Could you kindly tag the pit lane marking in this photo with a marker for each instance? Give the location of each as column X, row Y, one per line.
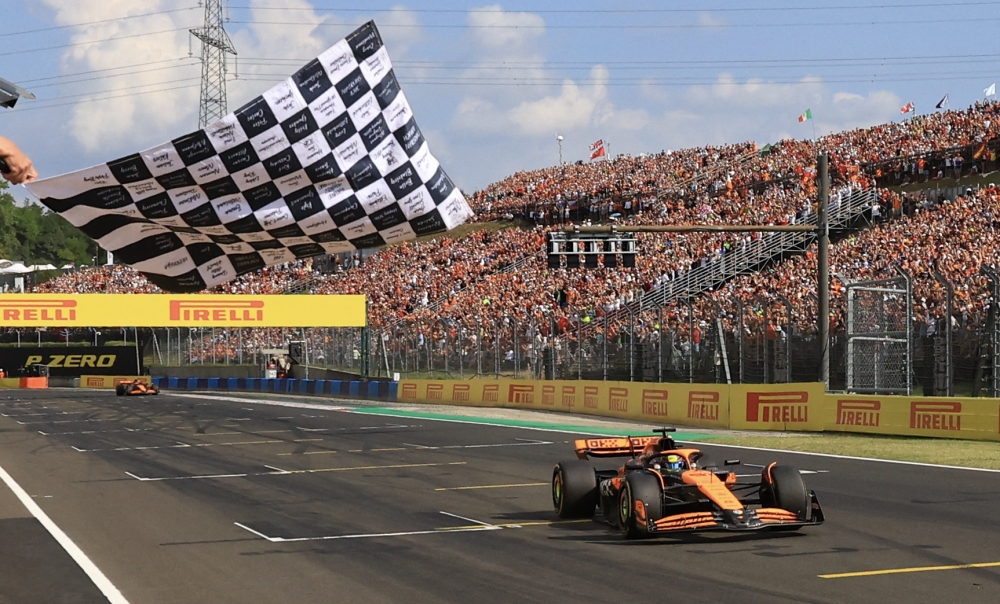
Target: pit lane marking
column 495, row 486
column 289, row 472
column 912, row 569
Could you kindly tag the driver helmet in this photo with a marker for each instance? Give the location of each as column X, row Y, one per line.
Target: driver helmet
column 673, row 463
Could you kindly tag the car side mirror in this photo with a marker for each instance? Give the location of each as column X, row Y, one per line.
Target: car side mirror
column 731, row 462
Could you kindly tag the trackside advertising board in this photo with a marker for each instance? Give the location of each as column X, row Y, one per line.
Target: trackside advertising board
column 703, row 405
column 71, row 361
column 972, row 418
column 169, row 310
column 785, row 407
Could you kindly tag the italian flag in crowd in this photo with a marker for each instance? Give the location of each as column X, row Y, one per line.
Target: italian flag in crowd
column 808, row 115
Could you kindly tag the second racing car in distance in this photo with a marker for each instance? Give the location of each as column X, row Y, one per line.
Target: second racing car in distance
column 136, row 388
column 663, row 488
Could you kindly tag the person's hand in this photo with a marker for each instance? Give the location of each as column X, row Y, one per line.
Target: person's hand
column 18, row 168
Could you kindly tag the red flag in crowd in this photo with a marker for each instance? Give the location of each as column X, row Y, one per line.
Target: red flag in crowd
column 597, row 145
column 907, row 108
column 599, row 152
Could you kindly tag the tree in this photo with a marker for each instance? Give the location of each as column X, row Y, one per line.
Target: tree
column 35, row 235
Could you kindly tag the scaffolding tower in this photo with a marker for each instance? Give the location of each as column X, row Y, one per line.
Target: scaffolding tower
column 215, row 44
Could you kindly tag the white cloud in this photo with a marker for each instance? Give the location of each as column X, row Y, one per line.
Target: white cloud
column 496, row 28
column 131, row 118
column 731, row 110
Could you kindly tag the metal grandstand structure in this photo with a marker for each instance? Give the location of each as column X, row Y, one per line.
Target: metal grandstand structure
column 758, row 254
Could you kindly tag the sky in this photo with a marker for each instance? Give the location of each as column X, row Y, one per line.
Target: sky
column 493, row 85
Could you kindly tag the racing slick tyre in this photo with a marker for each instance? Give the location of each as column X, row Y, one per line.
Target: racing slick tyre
column 120, row 390
column 785, row 490
column 645, row 488
column 574, row 489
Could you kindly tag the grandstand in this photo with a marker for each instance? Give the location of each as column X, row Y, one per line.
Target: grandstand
column 485, row 301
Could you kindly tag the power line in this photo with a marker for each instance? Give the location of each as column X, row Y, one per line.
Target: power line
column 79, row 73
column 612, row 82
column 627, row 11
column 150, row 33
column 35, row 107
column 137, row 86
column 915, row 59
column 609, row 26
column 86, row 23
column 108, row 77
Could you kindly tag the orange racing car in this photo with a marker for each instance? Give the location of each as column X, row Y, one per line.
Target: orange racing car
column 136, row 388
column 667, row 489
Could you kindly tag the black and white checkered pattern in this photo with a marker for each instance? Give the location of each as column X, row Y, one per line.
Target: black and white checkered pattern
column 330, row 160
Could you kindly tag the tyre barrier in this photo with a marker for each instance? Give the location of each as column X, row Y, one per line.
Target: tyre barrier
column 382, row 390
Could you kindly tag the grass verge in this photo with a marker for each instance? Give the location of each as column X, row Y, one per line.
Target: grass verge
column 967, row 453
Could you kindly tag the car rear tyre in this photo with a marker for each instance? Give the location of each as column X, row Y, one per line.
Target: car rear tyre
column 785, row 490
column 639, row 486
column 120, row 390
column 574, row 489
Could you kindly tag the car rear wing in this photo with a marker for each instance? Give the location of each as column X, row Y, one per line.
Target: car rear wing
column 613, row 447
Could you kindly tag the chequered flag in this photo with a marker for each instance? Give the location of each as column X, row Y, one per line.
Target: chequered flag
column 330, row 160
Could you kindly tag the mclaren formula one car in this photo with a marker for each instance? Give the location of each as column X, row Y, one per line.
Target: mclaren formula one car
column 136, row 388
column 663, row 488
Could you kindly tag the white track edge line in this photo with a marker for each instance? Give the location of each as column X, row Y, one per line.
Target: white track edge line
column 86, row 564
column 849, row 457
column 561, row 431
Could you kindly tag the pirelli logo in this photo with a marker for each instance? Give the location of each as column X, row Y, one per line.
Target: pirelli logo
column 569, row 396
column 460, row 393
column 654, row 402
column 703, row 405
column 618, row 399
column 408, row 392
column 522, row 394
column 548, row 395
column 435, row 392
column 590, row 395
column 852, row 412
column 936, row 416
column 249, row 311
column 491, row 393
column 778, row 407
column 40, row 310
column 98, row 382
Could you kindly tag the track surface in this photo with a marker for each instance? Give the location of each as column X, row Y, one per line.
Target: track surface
column 342, row 506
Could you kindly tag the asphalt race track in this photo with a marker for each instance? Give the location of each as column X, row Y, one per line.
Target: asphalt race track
column 187, row 500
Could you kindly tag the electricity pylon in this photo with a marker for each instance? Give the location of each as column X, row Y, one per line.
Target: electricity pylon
column 215, row 43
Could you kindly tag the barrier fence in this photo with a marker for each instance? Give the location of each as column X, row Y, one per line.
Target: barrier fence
column 880, row 344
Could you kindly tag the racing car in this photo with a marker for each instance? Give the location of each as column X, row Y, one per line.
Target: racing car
column 136, row 388
column 663, row 488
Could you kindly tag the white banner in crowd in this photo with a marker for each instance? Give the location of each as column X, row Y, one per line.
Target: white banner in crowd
column 330, row 160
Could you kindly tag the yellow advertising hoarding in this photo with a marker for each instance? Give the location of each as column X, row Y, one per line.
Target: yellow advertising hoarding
column 168, row 310
column 777, row 406
column 785, row 407
column 971, row 418
column 703, row 405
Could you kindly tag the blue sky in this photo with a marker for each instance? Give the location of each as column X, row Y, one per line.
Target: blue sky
column 493, row 84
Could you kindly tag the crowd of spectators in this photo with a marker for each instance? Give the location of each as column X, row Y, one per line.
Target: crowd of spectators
column 494, row 279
